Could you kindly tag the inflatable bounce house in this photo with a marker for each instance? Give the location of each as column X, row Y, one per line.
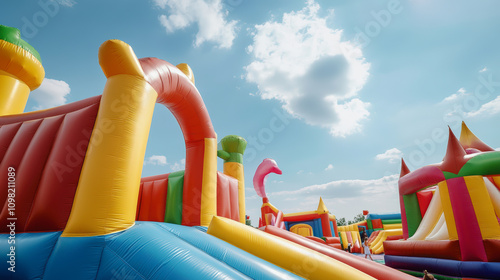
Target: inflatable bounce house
column 450, row 214
column 320, row 225
column 75, row 206
column 379, row 228
column 316, row 230
column 382, row 227
column 317, row 225
column 351, row 234
column 380, row 222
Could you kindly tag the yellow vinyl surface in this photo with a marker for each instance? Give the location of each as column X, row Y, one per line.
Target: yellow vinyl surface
column 235, row 170
column 283, row 253
column 209, row 183
column 448, row 211
column 13, row 95
column 481, row 201
column 107, row 193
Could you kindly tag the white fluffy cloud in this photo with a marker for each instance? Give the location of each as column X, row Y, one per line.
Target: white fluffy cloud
column 209, row 15
column 344, row 198
column 392, row 155
column 162, row 161
column 468, row 105
column 303, row 63
column 345, row 188
column 329, row 167
column 461, row 93
column 178, row 165
column 488, row 109
column 156, row 160
column 51, row 93
column 67, row 3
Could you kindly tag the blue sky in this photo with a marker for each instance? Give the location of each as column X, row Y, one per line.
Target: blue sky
column 335, row 91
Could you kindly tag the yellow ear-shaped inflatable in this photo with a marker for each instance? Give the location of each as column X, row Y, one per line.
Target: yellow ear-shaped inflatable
column 187, row 71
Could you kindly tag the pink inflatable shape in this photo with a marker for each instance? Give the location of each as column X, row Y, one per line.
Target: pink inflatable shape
column 267, row 166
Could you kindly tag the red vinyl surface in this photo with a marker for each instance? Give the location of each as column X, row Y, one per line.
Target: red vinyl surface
column 441, row 249
column 181, row 97
column 47, row 149
column 227, row 197
column 152, row 198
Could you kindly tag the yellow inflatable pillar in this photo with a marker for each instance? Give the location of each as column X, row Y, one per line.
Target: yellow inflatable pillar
column 21, row 71
column 233, row 148
column 108, row 189
column 448, row 210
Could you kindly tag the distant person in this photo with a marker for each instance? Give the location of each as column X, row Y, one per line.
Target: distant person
column 428, row 276
column 349, row 247
column 364, row 235
column 367, row 249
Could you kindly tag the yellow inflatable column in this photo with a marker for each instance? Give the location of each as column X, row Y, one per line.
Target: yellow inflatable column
column 21, row 71
column 209, row 180
column 483, row 207
column 107, row 193
column 448, row 210
column 233, row 148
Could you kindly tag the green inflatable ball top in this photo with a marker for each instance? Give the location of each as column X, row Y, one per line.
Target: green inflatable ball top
column 231, row 148
column 234, row 144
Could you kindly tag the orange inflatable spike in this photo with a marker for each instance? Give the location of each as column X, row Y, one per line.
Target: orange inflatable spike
column 454, row 158
column 469, row 140
column 404, row 168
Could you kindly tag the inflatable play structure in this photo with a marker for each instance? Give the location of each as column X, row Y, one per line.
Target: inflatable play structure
column 162, row 198
column 382, row 227
column 378, row 227
column 318, row 223
column 381, row 222
column 450, row 213
column 351, row 234
column 316, row 230
column 75, row 206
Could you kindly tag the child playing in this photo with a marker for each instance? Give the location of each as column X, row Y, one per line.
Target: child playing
column 366, row 249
